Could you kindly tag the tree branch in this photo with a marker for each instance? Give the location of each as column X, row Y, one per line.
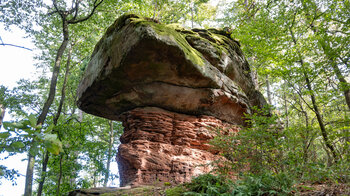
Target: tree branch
column 3, row 44
column 74, row 21
column 60, row 12
column 76, row 9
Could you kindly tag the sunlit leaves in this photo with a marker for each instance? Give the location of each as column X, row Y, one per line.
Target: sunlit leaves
column 4, row 135
column 53, row 144
column 25, row 131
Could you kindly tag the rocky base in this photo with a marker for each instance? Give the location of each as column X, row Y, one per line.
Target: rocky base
column 121, row 191
column 162, row 146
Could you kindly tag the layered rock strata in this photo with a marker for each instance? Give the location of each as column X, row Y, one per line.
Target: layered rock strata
column 167, row 85
column 158, row 145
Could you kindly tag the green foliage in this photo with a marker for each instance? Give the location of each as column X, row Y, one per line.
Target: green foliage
column 26, row 131
column 8, row 174
column 52, row 144
column 255, row 147
column 208, row 184
column 319, row 172
column 167, row 184
column 264, row 184
column 175, row 191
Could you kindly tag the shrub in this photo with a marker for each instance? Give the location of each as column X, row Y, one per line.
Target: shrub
column 264, row 184
column 208, row 184
column 175, row 191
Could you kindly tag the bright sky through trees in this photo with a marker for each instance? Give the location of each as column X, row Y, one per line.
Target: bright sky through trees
column 16, row 63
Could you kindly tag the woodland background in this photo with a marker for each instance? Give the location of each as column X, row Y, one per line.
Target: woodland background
column 299, row 52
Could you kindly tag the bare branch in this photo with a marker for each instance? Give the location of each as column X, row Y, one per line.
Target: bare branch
column 3, row 44
column 51, row 13
column 60, row 12
column 77, row 2
column 74, row 21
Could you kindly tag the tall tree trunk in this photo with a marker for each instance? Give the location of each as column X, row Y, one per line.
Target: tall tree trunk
column 43, row 173
column 155, row 9
column 306, row 143
column 56, row 69
column 314, row 103
column 2, row 114
column 344, row 85
column 192, row 10
column 48, row 103
column 95, row 180
column 29, row 175
column 80, row 115
column 55, row 120
column 268, row 90
column 59, row 177
column 286, row 110
column 109, row 156
column 329, row 52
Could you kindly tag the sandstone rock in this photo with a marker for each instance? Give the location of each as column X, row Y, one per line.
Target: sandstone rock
column 169, row 86
column 158, row 145
column 141, row 63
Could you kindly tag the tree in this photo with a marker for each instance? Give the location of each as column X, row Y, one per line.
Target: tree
column 68, row 16
column 280, row 40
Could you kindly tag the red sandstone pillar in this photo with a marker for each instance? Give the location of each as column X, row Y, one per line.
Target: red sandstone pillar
column 162, row 146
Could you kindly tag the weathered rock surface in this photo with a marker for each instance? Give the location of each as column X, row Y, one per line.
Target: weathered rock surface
column 157, row 190
column 158, row 145
column 167, row 84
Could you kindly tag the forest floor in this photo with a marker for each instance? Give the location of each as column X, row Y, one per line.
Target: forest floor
column 301, row 189
column 323, row 189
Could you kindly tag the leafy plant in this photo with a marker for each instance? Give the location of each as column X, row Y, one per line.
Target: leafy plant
column 264, row 184
column 175, row 191
column 24, row 131
column 208, row 184
column 254, row 148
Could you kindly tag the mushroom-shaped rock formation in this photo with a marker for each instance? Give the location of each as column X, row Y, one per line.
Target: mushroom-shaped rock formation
column 167, row 85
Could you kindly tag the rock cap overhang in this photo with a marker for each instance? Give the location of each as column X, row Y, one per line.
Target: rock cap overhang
column 142, row 63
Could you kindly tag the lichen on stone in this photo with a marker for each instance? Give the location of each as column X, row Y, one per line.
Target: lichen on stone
column 173, row 32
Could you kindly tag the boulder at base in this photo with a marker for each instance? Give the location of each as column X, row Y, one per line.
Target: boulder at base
column 170, row 87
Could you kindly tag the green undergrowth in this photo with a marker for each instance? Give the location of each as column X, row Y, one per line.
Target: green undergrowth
column 212, row 185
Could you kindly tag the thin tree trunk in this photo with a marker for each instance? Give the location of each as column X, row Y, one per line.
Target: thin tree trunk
column 55, row 120
column 29, row 173
column 343, row 83
column 268, row 90
column 286, row 110
column 55, row 73
column 192, row 14
column 48, row 103
column 341, row 78
column 109, row 156
column 2, row 114
column 59, row 177
column 80, row 115
column 306, row 144
column 327, row 50
column 314, row 103
column 43, row 173
column 155, row 9
column 94, row 181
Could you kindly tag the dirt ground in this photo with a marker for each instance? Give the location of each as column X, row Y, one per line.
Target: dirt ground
column 322, row 190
